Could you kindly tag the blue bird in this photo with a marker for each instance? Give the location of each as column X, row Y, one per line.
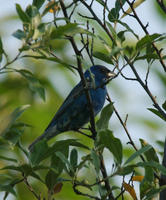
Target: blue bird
column 74, row 113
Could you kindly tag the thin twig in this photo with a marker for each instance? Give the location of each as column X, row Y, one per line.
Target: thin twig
column 147, row 33
column 31, row 189
column 78, row 57
column 83, row 194
column 10, row 62
column 105, row 176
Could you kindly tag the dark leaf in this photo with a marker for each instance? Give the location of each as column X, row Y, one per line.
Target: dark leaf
column 39, row 151
column 164, row 105
column 7, row 188
column 38, row 3
column 1, row 49
column 113, row 15
column 74, row 158
column 22, row 15
column 51, row 179
column 156, row 112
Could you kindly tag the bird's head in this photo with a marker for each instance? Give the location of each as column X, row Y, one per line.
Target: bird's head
column 100, row 73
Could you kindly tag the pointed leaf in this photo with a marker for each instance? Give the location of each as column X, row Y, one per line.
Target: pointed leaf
column 23, row 16
column 105, row 116
column 138, row 153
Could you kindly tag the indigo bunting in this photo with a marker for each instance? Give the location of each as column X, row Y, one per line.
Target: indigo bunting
column 75, row 112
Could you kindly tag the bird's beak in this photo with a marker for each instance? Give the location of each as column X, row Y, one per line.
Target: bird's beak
column 110, row 74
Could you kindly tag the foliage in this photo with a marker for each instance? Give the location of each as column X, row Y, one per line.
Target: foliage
column 70, row 168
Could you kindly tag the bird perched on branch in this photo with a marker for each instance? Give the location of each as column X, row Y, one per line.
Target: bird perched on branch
column 75, row 111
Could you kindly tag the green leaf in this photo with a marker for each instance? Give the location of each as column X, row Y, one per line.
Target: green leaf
column 51, row 179
column 41, row 150
column 95, row 160
column 22, row 15
column 105, row 116
column 57, row 163
column 153, row 164
column 11, row 119
column 69, row 29
column 164, row 105
column 69, row 168
column 8, row 159
column 1, row 49
column 114, row 145
column 149, row 57
column 113, row 15
column 38, row 153
column 127, row 28
column 38, row 3
column 138, row 153
column 151, row 153
column 122, row 171
column 19, row 34
column 148, row 39
column 7, row 188
column 34, row 83
column 74, row 158
column 103, row 57
column 156, row 112
column 154, row 192
column 149, row 174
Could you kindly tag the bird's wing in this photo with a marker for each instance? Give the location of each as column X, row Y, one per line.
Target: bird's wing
column 70, row 100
